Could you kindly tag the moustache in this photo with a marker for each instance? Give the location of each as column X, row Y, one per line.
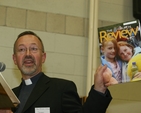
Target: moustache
column 27, row 58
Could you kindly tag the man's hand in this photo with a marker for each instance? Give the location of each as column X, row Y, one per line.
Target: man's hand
column 99, row 79
column 108, row 79
column 103, row 79
column 5, row 111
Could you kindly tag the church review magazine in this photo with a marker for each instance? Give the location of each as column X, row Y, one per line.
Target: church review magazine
column 120, row 48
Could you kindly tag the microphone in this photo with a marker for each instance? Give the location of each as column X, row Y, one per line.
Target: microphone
column 2, row 66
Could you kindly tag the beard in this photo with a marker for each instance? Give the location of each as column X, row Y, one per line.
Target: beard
column 28, row 70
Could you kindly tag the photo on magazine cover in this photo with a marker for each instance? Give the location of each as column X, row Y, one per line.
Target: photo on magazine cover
column 120, row 50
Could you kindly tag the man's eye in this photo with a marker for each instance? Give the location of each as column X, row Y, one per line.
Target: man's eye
column 34, row 49
column 21, row 50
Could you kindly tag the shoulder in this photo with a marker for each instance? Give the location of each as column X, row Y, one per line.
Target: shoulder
column 63, row 82
column 58, row 82
column 62, row 85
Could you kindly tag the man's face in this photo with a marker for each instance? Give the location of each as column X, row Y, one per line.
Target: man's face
column 28, row 55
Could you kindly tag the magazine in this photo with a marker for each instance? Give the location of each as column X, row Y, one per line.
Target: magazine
column 120, row 48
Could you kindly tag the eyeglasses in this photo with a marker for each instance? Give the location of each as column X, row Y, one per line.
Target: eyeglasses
column 23, row 50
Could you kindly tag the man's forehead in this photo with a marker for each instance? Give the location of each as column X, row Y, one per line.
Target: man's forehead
column 28, row 39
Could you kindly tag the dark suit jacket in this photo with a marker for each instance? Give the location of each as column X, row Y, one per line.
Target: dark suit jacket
column 62, row 97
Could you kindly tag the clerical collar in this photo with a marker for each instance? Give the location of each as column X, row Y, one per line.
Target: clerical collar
column 32, row 80
column 28, row 82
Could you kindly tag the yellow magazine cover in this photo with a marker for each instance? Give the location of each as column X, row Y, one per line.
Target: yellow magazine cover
column 120, row 50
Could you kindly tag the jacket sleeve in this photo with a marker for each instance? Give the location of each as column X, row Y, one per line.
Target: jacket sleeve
column 95, row 103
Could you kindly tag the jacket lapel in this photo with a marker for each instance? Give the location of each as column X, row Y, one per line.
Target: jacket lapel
column 40, row 87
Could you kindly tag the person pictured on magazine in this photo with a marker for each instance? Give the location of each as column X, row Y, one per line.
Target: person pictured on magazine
column 126, row 52
column 108, row 57
column 39, row 93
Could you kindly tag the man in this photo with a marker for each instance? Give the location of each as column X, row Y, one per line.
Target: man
column 39, row 93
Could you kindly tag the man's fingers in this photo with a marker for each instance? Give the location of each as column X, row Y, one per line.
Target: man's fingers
column 101, row 69
column 107, row 84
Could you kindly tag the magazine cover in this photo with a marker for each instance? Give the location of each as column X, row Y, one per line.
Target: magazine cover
column 120, row 50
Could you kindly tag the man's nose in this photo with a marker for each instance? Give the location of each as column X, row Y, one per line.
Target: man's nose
column 28, row 52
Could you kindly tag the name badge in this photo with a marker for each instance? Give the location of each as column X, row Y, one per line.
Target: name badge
column 42, row 110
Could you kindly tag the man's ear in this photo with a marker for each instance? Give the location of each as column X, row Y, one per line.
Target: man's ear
column 43, row 57
column 14, row 59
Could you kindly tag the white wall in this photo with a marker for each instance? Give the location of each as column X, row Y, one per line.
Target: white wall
column 115, row 10
column 67, row 7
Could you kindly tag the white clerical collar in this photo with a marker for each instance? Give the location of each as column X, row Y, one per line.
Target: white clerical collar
column 28, row 82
